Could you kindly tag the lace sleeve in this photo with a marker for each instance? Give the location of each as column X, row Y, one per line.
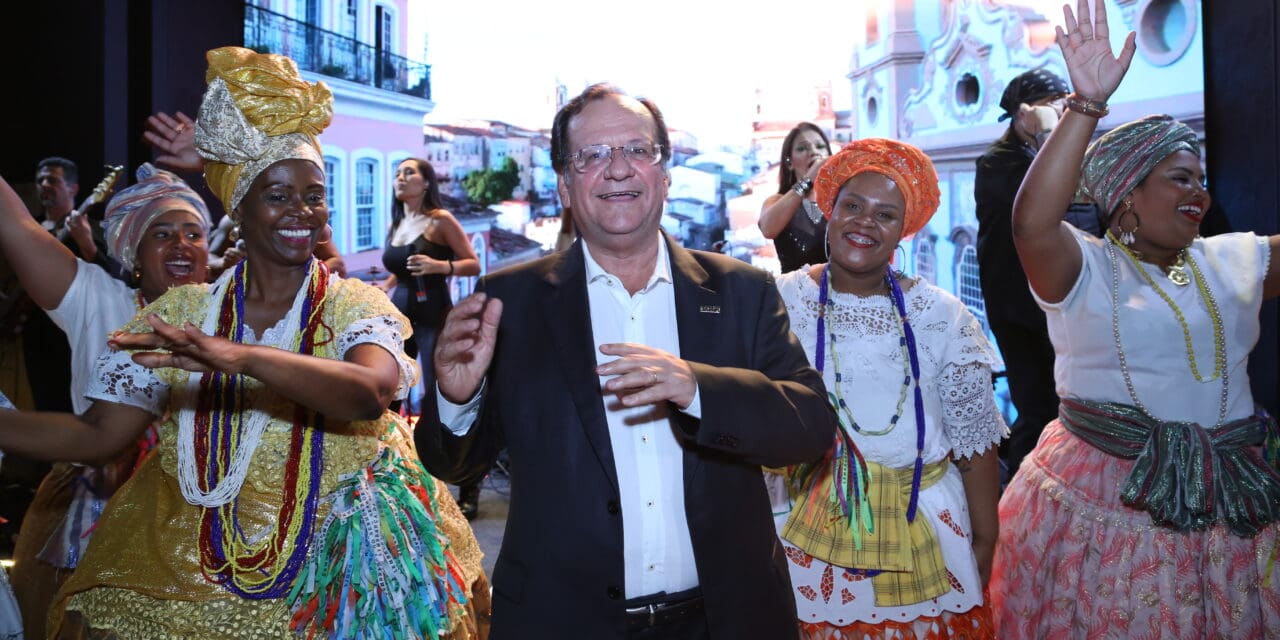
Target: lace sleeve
column 383, row 331
column 117, row 378
column 969, row 413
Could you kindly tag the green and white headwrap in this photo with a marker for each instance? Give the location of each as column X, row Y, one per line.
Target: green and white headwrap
column 1119, row 160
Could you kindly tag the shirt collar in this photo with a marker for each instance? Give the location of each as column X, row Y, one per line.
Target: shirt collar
column 661, row 267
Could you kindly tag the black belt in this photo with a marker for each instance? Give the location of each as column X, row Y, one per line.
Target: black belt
column 664, row 612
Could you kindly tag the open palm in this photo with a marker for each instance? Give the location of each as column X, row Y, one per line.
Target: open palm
column 1086, row 48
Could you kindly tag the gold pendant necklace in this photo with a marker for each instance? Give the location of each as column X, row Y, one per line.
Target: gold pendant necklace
column 1177, row 272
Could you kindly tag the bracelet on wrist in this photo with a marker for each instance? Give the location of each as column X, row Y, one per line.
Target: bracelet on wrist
column 1087, row 106
column 802, row 187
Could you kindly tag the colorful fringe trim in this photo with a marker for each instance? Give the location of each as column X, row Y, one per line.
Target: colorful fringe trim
column 378, row 566
column 835, row 488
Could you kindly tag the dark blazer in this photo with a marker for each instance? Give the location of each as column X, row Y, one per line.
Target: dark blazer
column 560, row 571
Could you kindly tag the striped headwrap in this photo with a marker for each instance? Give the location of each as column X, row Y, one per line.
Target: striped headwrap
column 906, row 165
column 131, row 211
column 256, row 112
column 1121, row 159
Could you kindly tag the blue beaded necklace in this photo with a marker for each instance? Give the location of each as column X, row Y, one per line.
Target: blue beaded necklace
column 907, row 341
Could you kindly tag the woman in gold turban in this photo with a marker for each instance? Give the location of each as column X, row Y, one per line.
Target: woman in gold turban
column 890, row 535
column 282, row 497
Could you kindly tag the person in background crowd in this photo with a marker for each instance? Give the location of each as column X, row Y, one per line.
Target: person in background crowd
column 425, row 247
column 48, row 354
column 1032, row 103
column 1147, row 509
column 790, row 217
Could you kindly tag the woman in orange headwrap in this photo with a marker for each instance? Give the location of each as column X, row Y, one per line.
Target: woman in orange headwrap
column 282, row 497
column 891, row 534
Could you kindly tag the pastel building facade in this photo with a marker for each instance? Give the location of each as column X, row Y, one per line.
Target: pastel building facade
column 932, row 73
column 364, row 51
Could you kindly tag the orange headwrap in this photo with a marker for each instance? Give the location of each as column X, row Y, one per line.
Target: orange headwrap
column 906, row 165
column 257, row 111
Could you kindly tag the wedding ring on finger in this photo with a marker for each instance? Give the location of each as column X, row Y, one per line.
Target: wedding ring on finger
column 654, row 375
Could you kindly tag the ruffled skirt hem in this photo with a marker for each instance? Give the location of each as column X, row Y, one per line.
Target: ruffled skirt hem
column 1073, row 562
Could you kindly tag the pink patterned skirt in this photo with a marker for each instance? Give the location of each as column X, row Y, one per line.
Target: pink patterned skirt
column 1073, row 562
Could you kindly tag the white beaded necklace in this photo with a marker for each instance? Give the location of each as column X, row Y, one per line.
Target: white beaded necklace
column 255, row 421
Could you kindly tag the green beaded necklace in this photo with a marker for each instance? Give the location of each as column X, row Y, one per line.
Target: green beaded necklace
column 837, row 397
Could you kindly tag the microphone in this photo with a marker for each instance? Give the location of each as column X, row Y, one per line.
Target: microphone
column 420, row 284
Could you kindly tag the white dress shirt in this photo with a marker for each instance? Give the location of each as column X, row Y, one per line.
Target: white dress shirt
column 648, row 458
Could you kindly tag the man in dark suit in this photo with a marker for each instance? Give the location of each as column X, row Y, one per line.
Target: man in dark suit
column 638, row 387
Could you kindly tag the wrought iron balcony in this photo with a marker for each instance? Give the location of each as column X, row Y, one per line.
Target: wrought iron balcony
column 331, row 54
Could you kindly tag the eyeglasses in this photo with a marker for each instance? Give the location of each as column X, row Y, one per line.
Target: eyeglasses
column 600, row 155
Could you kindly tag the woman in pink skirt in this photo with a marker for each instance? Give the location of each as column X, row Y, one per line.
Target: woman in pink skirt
column 1147, row 509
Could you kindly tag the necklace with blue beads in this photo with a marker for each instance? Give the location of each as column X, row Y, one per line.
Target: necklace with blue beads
column 911, row 378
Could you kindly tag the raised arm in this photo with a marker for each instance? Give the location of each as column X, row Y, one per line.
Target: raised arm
column 173, row 138
column 44, row 266
column 357, row 388
column 777, row 211
column 1049, row 255
column 779, row 208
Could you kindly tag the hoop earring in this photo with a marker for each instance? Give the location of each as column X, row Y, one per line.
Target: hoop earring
column 1128, row 237
column 903, row 252
column 826, row 247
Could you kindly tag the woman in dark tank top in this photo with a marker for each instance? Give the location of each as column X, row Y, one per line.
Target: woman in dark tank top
column 425, row 246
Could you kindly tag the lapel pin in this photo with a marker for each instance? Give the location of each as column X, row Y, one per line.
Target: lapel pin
column 709, row 308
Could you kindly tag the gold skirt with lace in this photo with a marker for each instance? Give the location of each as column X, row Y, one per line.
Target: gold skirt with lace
column 141, row 575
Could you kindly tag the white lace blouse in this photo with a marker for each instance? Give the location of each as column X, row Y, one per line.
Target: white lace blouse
column 955, row 367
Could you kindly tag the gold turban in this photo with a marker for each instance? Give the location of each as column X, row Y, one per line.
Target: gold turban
column 256, row 112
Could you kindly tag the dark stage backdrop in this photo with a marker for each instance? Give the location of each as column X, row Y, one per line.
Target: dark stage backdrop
column 85, row 74
column 1242, row 66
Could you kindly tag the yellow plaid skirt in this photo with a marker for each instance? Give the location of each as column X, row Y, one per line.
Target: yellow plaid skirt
column 907, row 554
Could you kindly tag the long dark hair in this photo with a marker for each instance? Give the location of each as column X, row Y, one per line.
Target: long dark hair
column 787, row 179
column 430, row 199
